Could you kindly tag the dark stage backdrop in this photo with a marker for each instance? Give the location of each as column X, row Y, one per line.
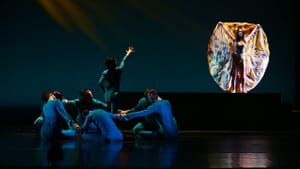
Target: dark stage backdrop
column 61, row 45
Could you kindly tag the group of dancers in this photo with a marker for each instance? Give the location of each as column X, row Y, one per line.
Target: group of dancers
column 65, row 118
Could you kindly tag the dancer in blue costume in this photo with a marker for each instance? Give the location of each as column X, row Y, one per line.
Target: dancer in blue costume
column 54, row 115
column 104, row 121
column 40, row 119
column 145, row 128
column 164, row 115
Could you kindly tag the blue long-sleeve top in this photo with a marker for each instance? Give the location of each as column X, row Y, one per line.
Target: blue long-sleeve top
column 54, row 114
column 52, row 109
column 165, row 116
column 104, row 121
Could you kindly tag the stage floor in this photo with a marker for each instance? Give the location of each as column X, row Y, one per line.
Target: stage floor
column 20, row 147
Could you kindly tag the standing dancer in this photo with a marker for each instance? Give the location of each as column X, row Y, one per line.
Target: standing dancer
column 109, row 81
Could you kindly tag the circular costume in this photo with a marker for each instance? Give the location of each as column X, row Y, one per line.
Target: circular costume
column 224, row 54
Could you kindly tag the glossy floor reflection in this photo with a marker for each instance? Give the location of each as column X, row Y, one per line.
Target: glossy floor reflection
column 194, row 149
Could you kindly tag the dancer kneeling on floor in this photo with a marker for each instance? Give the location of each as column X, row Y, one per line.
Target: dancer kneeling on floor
column 104, row 121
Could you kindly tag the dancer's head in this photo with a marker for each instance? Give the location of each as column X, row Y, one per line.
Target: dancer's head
column 86, row 94
column 151, row 94
column 58, row 95
column 47, row 95
column 239, row 34
column 110, row 63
